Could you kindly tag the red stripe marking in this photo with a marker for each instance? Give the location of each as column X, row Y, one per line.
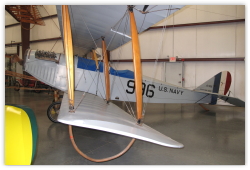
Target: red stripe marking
column 228, row 83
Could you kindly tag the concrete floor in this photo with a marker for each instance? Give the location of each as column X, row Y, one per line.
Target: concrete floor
column 215, row 137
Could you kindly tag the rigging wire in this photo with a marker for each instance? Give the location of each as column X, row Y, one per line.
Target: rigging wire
column 96, row 47
column 89, row 32
column 108, row 31
column 152, row 7
column 142, row 22
column 74, row 26
column 130, row 109
column 54, row 45
column 212, row 12
column 52, row 19
column 56, row 26
column 72, row 137
column 157, row 57
column 102, row 56
column 163, row 10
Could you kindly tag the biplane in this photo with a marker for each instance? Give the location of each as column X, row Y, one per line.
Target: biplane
column 90, row 85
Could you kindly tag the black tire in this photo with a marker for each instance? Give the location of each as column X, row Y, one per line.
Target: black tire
column 17, row 88
column 37, row 86
column 38, row 91
column 53, row 111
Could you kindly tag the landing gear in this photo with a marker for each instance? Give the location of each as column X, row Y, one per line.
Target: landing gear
column 53, row 111
column 17, row 86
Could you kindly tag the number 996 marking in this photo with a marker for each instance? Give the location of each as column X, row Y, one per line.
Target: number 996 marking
column 147, row 88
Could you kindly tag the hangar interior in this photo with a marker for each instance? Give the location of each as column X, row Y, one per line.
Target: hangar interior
column 205, row 39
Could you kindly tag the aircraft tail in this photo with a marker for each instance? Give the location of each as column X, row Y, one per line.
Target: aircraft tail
column 220, row 84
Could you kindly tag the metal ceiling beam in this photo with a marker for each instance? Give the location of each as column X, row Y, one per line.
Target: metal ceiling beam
column 43, row 18
column 25, row 36
column 34, row 41
column 185, row 59
column 25, row 13
column 197, row 24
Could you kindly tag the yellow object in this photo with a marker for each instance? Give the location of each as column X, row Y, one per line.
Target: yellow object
column 18, row 137
column 137, row 65
column 106, row 69
column 68, row 48
column 95, row 58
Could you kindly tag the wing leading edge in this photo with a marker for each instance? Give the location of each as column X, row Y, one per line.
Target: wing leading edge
column 93, row 112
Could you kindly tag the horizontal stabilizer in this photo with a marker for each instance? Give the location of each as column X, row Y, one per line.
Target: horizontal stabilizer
column 232, row 100
column 94, row 113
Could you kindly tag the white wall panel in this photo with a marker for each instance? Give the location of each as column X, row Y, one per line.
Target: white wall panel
column 167, row 48
column 189, row 75
column 124, row 52
column 190, row 11
column 52, row 30
column 240, row 40
column 166, row 21
column 13, row 34
column 151, row 43
column 239, row 80
column 152, row 70
column 177, row 17
column 207, row 13
column 10, row 50
column 9, row 19
column 216, row 41
column 185, row 42
column 240, row 11
column 51, row 9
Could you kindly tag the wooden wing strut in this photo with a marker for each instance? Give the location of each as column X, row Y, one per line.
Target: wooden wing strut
column 106, row 69
column 95, row 58
column 137, row 64
column 68, row 47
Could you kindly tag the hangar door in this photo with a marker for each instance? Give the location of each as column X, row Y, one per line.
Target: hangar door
column 173, row 73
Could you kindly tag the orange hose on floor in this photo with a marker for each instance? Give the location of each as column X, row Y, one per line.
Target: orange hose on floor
column 97, row 160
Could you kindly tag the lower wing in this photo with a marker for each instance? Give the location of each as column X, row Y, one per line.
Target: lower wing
column 93, row 112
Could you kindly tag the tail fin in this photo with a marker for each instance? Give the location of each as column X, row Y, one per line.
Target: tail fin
column 220, row 84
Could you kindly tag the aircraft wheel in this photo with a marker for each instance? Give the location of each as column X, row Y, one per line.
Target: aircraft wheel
column 37, row 91
column 17, row 88
column 53, row 111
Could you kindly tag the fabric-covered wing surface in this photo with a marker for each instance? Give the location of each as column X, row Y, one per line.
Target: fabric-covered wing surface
column 94, row 113
column 100, row 19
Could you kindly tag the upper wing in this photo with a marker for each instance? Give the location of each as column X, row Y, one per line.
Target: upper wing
column 93, row 112
column 99, row 19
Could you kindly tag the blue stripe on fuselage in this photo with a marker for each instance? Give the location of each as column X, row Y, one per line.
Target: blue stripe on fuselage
column 87, row 64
